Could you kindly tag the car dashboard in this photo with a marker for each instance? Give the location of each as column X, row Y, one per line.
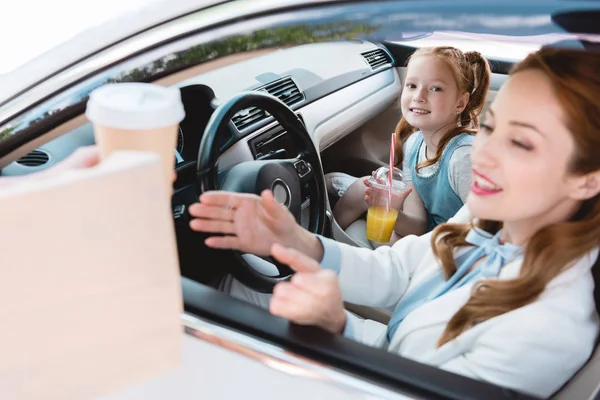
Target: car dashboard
column 333, row 87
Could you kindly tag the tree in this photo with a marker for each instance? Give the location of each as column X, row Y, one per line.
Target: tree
column 283, row 36
column 4, row 134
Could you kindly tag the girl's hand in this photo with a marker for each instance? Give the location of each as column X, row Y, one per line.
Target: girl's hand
column 311, row 297
column 250, row 223
column 369, row 192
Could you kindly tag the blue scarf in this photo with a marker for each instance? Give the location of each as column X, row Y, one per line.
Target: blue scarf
column 484, row 245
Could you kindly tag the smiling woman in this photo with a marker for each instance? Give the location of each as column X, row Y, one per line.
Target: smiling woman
column 491, row 297
column 553, row 208
column 314, row 86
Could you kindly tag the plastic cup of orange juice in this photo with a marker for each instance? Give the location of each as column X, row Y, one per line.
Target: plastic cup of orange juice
column 383, row 208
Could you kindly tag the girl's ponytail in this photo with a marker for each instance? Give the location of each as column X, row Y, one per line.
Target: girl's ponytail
column 478, row 88
column 403, row 131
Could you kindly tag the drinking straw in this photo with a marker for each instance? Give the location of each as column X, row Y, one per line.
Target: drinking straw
column 391, row 170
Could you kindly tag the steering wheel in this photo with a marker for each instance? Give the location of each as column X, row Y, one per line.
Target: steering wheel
column 289, row 179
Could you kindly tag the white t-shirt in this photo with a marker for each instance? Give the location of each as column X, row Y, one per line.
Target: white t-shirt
column 460, row 169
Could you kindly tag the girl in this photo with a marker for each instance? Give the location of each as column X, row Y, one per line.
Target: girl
column 504, row 295
column 444, row 93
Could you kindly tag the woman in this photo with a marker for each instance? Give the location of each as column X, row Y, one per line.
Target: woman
column 506, row 297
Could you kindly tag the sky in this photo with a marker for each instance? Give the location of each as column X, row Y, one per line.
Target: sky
column 31, row 27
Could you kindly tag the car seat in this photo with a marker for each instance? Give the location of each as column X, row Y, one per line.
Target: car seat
column 585, row 385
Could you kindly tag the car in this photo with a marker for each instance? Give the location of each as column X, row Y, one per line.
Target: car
column 311, row 86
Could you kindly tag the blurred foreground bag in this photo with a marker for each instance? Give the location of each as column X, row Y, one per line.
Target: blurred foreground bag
column 90, row 294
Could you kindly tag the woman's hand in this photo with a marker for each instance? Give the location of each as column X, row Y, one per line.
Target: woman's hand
column 250, row 223
column 311, row 297
column 83, row 157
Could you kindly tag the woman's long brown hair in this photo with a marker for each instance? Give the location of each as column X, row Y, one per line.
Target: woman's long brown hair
column 471, row 72
column 553, row 249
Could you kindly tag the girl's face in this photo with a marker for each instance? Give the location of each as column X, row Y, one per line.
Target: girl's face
column 521, row 156
column 430, row 99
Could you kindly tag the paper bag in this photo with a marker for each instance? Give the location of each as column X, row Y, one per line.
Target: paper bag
column 90, row 294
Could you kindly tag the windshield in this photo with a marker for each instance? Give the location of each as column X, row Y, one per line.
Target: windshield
column 35, row 27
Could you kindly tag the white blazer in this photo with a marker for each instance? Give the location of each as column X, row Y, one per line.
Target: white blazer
column 534, row 349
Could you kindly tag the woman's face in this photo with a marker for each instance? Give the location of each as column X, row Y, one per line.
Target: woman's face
column 521, row 156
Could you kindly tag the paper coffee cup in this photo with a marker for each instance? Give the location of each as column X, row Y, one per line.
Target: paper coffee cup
column 137, row 116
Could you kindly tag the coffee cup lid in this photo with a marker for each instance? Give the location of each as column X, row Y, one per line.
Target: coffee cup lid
column 135, row 105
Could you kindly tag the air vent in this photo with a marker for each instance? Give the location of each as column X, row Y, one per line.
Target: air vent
column 284, row 89
column 248, row 117
column 34, row 159
column 377, row 58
